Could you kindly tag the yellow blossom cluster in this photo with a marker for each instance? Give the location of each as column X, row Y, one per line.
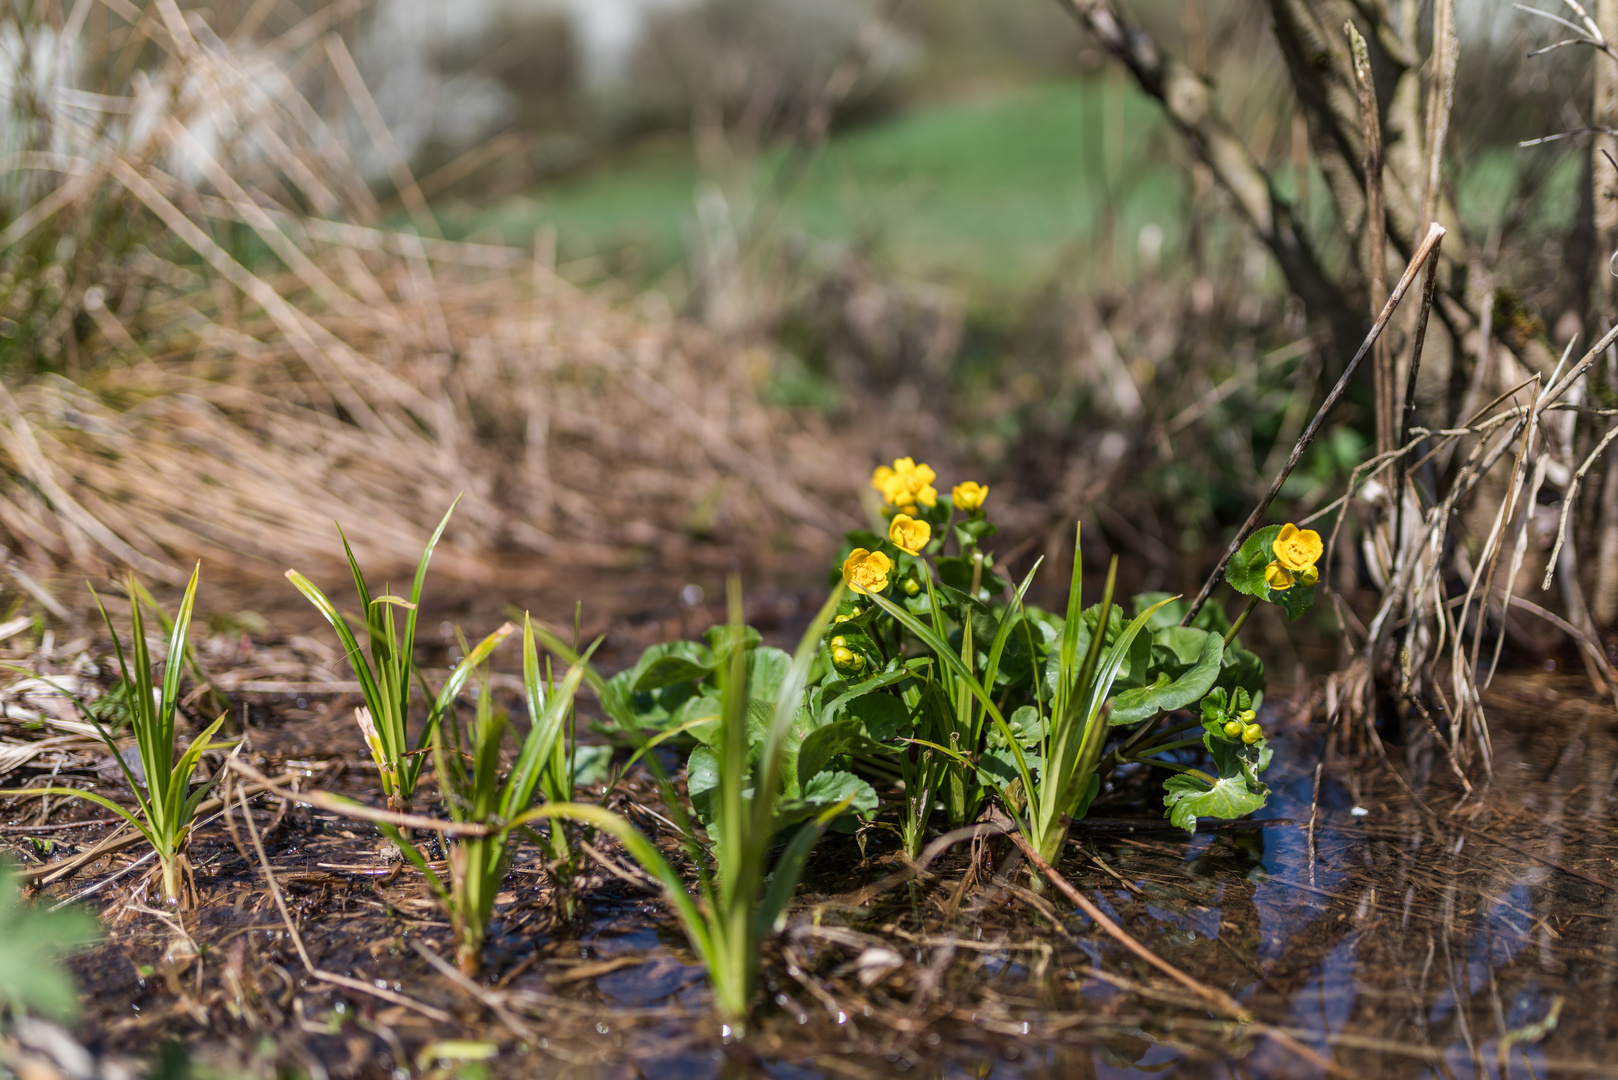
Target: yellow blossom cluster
column 1296, row 552
column 906, row 483
column 907, row 488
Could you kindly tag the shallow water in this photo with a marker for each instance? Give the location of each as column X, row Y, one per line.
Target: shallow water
column 1475, row 937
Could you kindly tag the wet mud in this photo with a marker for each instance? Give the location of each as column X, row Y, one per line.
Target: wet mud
column 1416, row 929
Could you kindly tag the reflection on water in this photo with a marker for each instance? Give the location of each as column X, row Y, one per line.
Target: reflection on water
column 1471, row 936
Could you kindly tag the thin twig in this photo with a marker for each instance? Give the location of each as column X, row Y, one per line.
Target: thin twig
column 1221, row 1000
column 1429, row 248
column 297, row 939
column 482, row 993
column 350, row 809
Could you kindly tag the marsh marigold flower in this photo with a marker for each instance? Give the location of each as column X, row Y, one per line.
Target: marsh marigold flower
column 969, row 496
column 1278, row 577
column 906, row 483
column 908, row 534
column 1298, row 549
column 866, row 571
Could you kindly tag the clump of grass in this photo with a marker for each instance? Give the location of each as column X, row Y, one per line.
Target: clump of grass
column 165, row 798
column 740, row 893
column 552, row 751
column 476, row 793
column 1058, row 785
column 385, row 678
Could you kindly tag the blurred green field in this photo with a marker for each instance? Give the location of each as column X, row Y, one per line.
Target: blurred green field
column 994, row 193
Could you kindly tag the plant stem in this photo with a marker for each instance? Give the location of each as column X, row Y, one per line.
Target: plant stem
column 171, row 877
column 1169, row 733
column 1186, row 769
column 1241, row 620
column 1181, row 744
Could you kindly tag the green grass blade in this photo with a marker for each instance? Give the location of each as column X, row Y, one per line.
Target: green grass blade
column 408, row 850
column 146, row 717
column 174, row 666
column 421, row 576
column 100, row 800
column 345, row 635
column 546, row 719
column 1068, row 658
column 105, row 735
column 470, row 663
column 489, row 727
column 1107, row 672
column 947, row 657
column 997, row 648
column 177, row 789
column 787, row 702
column 734, row 775
column 789, row 869
column 561, row 648
column 410, row 767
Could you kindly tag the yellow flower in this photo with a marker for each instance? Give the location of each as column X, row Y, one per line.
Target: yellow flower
column 906, row 483
column 866, row 571
column 1297, row 549
column 969, row 496
column 908, row 534
column 1276, row 576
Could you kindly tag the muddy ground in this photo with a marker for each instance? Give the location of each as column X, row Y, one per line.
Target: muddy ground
column 1417, row 929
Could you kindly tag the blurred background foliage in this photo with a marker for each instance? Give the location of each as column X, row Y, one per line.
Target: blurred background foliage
column 949, row 227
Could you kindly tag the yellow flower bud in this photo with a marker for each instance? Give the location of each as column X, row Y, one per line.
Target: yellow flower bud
column 840, row 619
column 1251, row 734
column 866, row 571
column 1308, row 576
column 908, row 534
column 845, row 658
column 1277, row 577
column 838, row 642
column 1247, row 716
column 912, row 586
column 1233, row 729
column 1297, row 549
column 969, row 496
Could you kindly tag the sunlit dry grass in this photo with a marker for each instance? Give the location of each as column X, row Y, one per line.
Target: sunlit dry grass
column 263, row 354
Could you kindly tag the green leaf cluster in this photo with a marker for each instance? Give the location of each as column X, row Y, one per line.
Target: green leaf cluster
column 1234, row 790
column 166, row 800
column 385, row 679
